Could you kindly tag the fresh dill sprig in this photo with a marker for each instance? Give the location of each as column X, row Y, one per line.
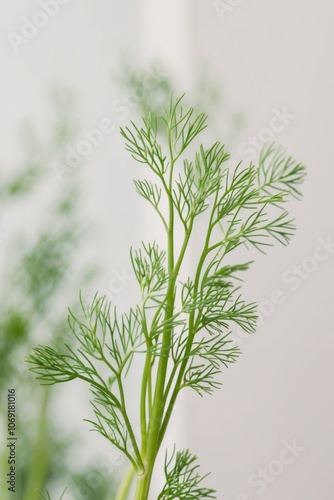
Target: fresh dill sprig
column 181, row 330
column 183, row 480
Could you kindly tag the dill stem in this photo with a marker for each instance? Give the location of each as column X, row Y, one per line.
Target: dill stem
column 151, row 447
column 145, row 390
column 125, row 486
column 191, row 326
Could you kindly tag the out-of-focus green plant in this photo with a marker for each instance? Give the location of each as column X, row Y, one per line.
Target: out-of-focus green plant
column 150, row 95
column 38, row 272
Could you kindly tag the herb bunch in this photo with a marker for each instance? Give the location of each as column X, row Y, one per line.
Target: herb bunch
column 181, row 330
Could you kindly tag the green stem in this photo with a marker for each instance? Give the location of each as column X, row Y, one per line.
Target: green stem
column 40, row 457
column 143, row 399
column 129, row 427
column 151, row 449
column 124, row 489
column 190, row 340
column 122, row 409
column 153, row 440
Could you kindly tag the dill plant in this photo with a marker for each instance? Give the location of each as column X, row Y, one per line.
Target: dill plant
column 180, row 329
